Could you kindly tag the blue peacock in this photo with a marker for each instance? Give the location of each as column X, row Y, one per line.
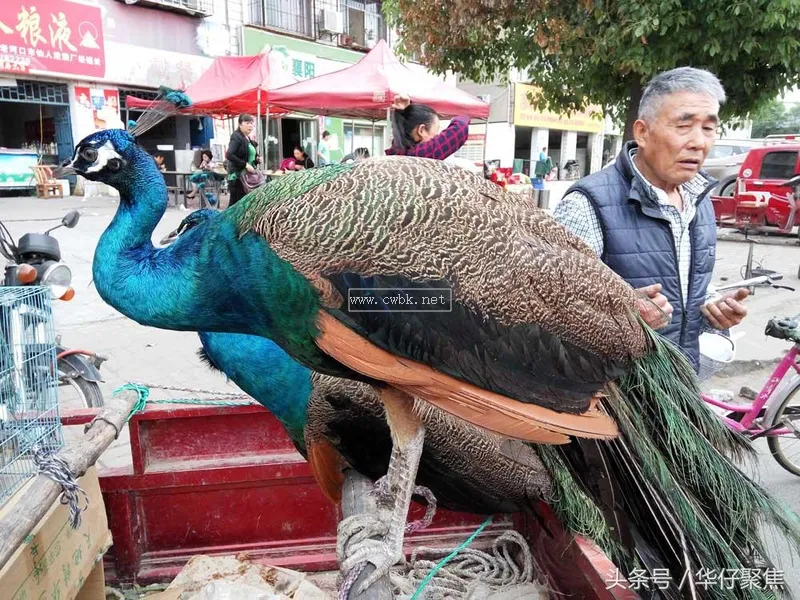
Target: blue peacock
column 464, row 467
column 540, row 342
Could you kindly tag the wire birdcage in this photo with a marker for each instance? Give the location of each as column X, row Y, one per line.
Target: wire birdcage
column 29, row 414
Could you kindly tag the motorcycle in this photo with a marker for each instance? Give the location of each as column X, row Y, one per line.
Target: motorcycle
column 36, row 260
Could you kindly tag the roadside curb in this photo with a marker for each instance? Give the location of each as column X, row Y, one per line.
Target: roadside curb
column 760, row 240
column 743, row 367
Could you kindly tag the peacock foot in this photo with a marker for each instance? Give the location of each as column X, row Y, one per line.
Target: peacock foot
column 393, row 504
column 354, row 531
column 383, row 554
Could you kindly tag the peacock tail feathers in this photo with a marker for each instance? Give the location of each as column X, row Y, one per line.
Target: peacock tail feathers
column 677, row 481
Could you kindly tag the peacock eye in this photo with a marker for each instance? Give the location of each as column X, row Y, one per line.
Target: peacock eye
column 89, row 154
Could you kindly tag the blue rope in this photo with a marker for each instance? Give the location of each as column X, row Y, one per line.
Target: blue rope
column 143, row 393
column 448, row 558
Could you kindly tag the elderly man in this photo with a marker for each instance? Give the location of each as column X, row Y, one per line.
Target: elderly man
column 648, row 216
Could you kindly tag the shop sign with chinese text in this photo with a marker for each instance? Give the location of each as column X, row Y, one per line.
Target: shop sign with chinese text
column 51, row 35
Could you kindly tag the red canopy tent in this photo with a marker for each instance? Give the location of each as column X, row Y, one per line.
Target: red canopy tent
column 232, row 85
column 367, row 89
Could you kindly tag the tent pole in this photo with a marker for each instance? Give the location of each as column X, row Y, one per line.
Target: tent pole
column 388, row 129
column 373, row 137
column 266, row 142
column 485, row 139
column 258, row 112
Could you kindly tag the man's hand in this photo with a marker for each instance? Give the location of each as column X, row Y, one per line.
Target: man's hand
column 727, row 312
column 654, row 306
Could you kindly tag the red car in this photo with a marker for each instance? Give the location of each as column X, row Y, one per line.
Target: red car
column 762, row 196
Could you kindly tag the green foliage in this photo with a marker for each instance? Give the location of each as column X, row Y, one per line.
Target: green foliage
column 773, row 118
column 602, row 52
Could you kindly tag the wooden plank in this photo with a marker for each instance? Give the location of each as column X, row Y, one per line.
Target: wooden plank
column 79, row 456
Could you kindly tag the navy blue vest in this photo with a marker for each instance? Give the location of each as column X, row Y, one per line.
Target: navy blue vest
column 638, row 244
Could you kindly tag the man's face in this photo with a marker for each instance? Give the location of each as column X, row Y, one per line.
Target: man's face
column 675, row 143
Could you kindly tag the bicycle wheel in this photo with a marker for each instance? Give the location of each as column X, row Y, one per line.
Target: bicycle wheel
column 74, row 390
column 785, row 449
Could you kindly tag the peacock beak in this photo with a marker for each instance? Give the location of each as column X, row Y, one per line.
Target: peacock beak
column 65, row 168
column 169, row 238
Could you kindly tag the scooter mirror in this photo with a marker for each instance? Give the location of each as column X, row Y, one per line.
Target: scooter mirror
column 71, row 219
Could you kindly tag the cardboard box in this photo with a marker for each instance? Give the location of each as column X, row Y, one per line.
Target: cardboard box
column 55, row 561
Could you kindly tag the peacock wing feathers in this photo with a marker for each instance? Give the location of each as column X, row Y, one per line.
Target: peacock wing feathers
column 534, row 318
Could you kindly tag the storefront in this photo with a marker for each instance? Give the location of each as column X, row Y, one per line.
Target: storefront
column 66, row 68
column 42, row 47
column 304, row 60
column 578, row 136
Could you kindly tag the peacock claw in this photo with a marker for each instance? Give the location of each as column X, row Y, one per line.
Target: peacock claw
column 383, row 554
column 357, row 530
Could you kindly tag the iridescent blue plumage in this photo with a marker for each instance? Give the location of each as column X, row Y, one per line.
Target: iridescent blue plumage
column 211, row 275
column 267, row 374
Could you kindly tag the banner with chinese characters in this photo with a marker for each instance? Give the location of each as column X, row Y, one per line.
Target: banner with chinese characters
column 51, row 35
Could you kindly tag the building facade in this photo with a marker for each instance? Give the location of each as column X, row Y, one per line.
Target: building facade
column 516, row 133
column 67, row 67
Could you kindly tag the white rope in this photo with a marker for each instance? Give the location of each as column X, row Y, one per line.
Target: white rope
column 510, row 563
column 56, row 469
column 176, row 388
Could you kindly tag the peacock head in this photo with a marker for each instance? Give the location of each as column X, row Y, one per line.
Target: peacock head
column 110, row 156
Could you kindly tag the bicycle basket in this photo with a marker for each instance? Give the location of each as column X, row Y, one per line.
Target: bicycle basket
column 716, row 351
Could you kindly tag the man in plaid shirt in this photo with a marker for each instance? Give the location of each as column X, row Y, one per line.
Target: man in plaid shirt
column 648, row 216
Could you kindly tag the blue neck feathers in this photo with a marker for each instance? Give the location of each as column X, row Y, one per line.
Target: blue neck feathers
column 266, row 373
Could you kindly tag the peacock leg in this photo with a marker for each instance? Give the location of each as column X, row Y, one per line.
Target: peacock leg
column 408, row 437
column 382, row 490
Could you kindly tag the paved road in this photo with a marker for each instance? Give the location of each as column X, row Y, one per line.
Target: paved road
column 150, row 355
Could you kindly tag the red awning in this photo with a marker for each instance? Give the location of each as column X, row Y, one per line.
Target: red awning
column 368, row 88
column 230, row 87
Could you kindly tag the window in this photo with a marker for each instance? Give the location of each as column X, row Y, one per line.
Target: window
column 293, row 16
column 364, row 22
column 778, row 165
column 720, row 151
column 361, row 136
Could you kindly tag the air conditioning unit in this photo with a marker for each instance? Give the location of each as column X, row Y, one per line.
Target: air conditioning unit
column 332, row 21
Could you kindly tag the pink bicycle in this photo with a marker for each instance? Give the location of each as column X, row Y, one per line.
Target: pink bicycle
column 773, row 414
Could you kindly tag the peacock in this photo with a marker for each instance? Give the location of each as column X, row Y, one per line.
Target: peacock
column 464, row 467
column 539, row 342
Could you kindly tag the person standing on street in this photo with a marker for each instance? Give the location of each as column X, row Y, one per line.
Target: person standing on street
column 649, row 216
column 242, row 156
column 323, row 149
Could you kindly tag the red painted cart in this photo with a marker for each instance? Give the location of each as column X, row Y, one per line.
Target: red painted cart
column 225, row 480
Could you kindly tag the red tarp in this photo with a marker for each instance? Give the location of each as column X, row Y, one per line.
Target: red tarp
column 368, row 88
column 230, row 87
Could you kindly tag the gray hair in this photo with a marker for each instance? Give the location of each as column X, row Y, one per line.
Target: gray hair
column 682, row 79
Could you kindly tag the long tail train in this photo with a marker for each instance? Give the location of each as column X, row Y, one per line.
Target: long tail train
column 666, row 494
